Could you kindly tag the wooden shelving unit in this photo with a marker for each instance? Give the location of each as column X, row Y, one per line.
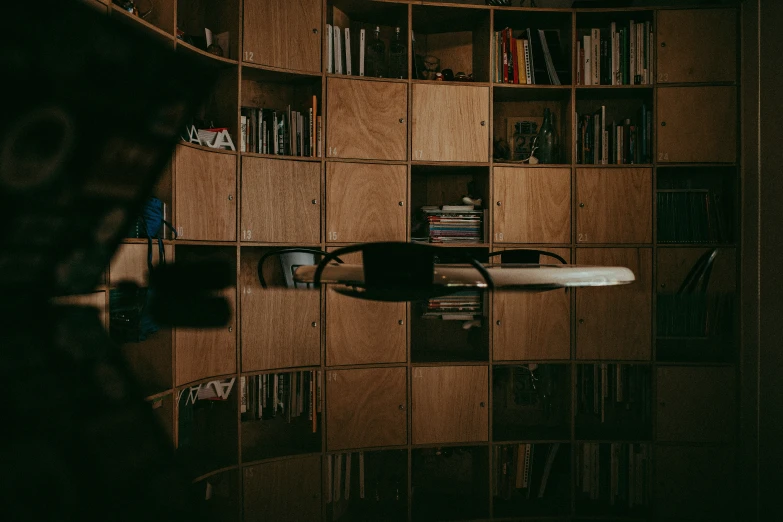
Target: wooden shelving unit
column 430, row 405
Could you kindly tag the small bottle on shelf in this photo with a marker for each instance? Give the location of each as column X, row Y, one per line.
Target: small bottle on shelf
column 376, row 56
column 398, row 57
column 546, row 140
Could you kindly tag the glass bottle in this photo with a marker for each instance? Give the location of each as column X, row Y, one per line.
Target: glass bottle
column 376, row 56
column 546, row 140
column 398, row 57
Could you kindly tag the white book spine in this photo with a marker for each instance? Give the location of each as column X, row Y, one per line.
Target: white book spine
column 588, row 64
column 330, row 49
column 596, row 41
column 338, row 47
column 348, row 50
column 243, row 384
column 528, row 72
column 361, row 52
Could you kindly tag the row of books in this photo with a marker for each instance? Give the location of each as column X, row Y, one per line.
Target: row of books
column 286, row 395
column 616, row 56
column 599, row 142
column 614, row 474
column 384, row 484
column 366, row 53
column 523, row 469
column 453, row 224
column 694, row 316
column 606, row 389
column 287, row 133
column 690, row 216
column 459, row 306
column 529, row 58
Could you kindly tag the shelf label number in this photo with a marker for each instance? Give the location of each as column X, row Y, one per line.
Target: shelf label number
column 417, row 373
column 418, row 154
column 247, row 235
column 663, row 77
column 499, row 236
column 582, row 237
column 248, row 56
column 332, row 151
column 663, row 156
column 180, row 231
column 331, row 376
column 332, row 236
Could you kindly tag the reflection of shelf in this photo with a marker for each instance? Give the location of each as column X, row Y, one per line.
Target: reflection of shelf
column 204, row 54
column 206, row 148
column 137, row 19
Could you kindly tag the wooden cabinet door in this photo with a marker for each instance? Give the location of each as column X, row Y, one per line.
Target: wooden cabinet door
column 281, row 201
column 366, row 120
column 697, row 124
column 615, row 322
column 532, row 205
column 534, row 325
column 450, row 123
column 287, row 490
column 449, row 404
column 696, row 404
column 205, row 352
column 205, row 195
column 280, row 328
column 366, row 202
column 283, row 34
column 695, row 483
column 366, row 408
column 614, row 205
column 697, row 45
column 364, row 332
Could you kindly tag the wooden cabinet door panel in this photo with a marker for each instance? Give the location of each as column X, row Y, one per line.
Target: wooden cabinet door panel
column 696, row 404
column 532, row 205
column 366, row 408
column 697, row 45
column 283, row 34
column 614, row 205
column 205, row 202
column 280, row 328
column 450, row 123
column 449, row 404
column 281, row 201
column 204, row 352
column 366, row 120
column 697, row 124
column 363, row 332
column 615, row 322
column 284, row 490
column 366, row 202
column 532, row 326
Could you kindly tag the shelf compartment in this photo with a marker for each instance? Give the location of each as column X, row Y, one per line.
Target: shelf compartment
column 219, row 109
column 613, row 401
column 287, row 489
column 450, row 483
column 207, row 430
column 513, row 107
column 458, row 36
column 557, row 27
column 451, row 337
column 531, row 479
column 531, row 402
column 370, row 485
column 288, row 429
column 277, row 92
column 163, row 407
column 218, row 496
column 160, row 20
column 359, row 15
column 219, row 16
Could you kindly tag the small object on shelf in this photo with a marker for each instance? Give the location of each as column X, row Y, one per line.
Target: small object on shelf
column 438, row 77
column 521, row 132
column 462, row 77
column 215, row 49
column 470, row 201
column 431, row 67
column 448, row 75
column 500, row 149
column 193, row 136
column 546, row 140
column 398, row 57
column 132, row 7
column 376, row 56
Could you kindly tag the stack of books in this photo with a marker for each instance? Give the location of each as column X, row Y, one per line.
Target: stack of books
column 530, row 57
column 453, row 224
column 599, row 141
column 459, row 306
column 619, row 55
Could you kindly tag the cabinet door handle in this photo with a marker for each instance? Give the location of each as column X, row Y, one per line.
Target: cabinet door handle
column 581, row 321
column 400, row 322
column 663, row 124
column 499, row 203
column 314, row 202
column 315, row 31
column 230, row 197
column 401, row 203
column 402, row 120
column 497, row 322
column 581, row 205
column 483, row 123
column 314, row 324
column 482, row 404
column 401, row 407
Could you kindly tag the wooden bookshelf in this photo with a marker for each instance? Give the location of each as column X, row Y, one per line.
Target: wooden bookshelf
column 430, row 404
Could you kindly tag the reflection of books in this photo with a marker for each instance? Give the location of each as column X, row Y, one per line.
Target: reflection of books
column 520, row 133
column 548, row 468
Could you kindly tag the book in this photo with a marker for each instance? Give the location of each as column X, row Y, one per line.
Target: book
column 550, row 460
column 348, row 69
column 330, row 49
column 528, row 70
column 588, row 60
column 361, row 51
column 243, row 139
column 338, row 50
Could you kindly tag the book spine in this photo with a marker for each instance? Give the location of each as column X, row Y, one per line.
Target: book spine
column 348, row 51
column 514, row 59
column 587, row 49
column 311, row 135
column 528, row 70
column 330, row 49
column 243, row 134
column 612, row 52
column 596, row 56
column 579, row 63
column 361, row 51
column 320, row 140
column 338, row 55
column 505, row 56
column 632, row 53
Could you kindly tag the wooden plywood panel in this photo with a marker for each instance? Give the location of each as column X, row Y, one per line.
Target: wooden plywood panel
column 205, row 195
column 285, row 490
column 697, row 124
column 532, row 326
column 281, row 201
column 697, row 45
column 696, row 404
column 614, row 322
column 364, row 332
column 130, row 262
column 532, row 205
column 366, row 408
column 202, row 353
column 366, row 120
column 450, row 123
column 283, row 34
column 363, row 202
column 695, row 483
column 614, row 205
column 449, row 404
column 280, row 328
